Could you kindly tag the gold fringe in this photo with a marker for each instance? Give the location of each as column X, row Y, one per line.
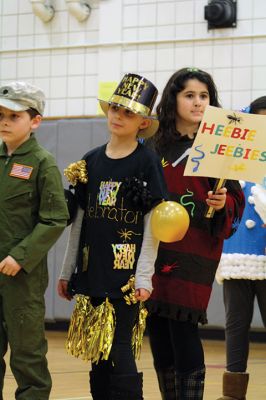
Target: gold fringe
column 140, row 325
column 76, row 172
column 138, row 330
column 77, row 331
column 91, row 330
column 130, row 288
column 101, row 327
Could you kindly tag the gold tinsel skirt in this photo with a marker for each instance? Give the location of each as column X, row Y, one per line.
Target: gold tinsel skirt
column 91, row 330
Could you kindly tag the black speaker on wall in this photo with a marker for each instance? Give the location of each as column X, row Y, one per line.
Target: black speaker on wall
column 221, row 14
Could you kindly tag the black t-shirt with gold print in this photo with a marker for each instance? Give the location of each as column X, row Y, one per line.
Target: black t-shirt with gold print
column 118, row 194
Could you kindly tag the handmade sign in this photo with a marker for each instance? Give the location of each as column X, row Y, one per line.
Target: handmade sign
column 229, row 145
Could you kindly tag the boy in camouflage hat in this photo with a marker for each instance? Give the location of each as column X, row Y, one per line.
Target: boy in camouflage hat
column 33, row 214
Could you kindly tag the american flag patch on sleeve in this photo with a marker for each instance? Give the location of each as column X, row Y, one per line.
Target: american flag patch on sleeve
column 21, row 171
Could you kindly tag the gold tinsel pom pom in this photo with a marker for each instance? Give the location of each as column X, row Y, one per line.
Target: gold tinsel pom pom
column 140, row 325
column 77, row 331
column 138, row 331
column 76, row 172
column 129, row 290
column 91, row 330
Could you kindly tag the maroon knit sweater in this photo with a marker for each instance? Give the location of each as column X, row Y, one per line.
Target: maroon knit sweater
column 185, row 270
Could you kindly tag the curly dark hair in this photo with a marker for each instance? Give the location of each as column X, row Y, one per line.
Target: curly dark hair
column 166, row 109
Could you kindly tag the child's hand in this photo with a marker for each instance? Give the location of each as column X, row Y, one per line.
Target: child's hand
column 217, row 200
column 142, row 294
column 9, row 266
column 62, row 289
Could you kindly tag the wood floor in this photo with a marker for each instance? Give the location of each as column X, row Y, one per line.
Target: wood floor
column 70, row 375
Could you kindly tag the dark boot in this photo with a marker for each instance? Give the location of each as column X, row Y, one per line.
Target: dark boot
column 192, row 385
column 126, row 387
column 235, row 386
column 167, row 380
column 100, row 386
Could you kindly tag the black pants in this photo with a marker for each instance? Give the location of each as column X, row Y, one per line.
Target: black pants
column 239, row 297
column 121, row 359
column 175, row 344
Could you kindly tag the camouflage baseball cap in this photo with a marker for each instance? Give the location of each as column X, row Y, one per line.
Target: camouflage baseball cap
column 20, row 96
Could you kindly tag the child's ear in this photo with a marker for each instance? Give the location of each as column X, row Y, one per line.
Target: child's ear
column 145, row 123
column 35, row 122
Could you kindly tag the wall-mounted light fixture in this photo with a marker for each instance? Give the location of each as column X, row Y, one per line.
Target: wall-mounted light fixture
column 43, row 9
column 80, row 9
column 221, row 14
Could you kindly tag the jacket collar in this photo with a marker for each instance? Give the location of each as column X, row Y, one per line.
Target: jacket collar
column 24, row 148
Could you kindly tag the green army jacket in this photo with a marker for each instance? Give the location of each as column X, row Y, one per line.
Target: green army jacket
column 33, row 211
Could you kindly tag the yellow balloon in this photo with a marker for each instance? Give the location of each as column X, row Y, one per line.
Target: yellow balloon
column 169, row 221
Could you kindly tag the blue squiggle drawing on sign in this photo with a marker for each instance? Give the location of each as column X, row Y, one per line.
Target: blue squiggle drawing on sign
column 196, row 159
column 189, row 203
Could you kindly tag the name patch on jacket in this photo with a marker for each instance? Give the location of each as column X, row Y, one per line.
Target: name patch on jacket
column 21, row 171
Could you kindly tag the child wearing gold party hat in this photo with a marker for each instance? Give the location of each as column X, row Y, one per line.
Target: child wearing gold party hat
column 110, row 244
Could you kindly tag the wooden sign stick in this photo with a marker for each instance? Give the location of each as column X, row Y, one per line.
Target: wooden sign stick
column 218, row 184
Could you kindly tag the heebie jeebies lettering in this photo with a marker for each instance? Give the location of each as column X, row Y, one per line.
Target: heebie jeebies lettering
column 229, row 144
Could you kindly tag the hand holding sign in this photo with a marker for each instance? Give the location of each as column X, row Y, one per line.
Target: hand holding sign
column 228, row 145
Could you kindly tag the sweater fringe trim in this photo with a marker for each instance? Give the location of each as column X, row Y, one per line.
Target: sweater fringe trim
column 175, row 312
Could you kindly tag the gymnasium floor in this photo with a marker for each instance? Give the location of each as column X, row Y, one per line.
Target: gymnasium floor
column 70, row 375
